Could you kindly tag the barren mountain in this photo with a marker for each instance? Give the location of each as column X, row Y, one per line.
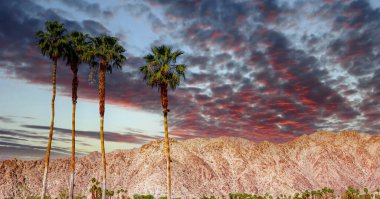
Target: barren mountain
column 216, row 166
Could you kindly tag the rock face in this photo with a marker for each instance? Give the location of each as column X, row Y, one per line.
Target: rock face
column 215, row 166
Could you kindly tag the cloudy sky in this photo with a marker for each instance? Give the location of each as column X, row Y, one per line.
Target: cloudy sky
column 258, row 69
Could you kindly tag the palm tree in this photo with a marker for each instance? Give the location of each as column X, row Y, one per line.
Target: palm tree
column 52, row 43
column 162, row 71
column 106, row 53
column 77, row 45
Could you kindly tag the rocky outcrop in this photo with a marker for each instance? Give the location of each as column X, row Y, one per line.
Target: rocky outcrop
column 215, row 166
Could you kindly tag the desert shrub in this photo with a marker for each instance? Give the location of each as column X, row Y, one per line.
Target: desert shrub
column 325, row 193
column 37, row 197
column 109, row 193
column 351, row 193
column 205, row 197
column 137, row 196
column 243, row 196
column 63, row 194
column 79, row 196
column 122, row 193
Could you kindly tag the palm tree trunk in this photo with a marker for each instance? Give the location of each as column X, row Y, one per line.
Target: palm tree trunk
column 102, row 80
column 47, row 158
column 74, row 98
column 164, row 101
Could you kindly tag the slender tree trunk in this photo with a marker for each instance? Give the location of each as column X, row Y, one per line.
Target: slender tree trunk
column 102, row 94
column 74, row 98
column 47, row 158
column 164, row 101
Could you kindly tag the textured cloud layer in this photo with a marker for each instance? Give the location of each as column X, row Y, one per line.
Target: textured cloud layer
column 257, row 69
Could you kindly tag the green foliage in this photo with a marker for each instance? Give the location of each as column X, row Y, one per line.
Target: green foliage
column 137, row 196
column 96, row 190
column 325, row 193
column 52, row 42
column 205, row 197
column 79, row 197
column 63, row 194
column 105, row 48
column 164, row 197
column 109, row 193
column 122, row 193
column 77, row 46
column 38, row 197
column 242, row 196
column 161, row 69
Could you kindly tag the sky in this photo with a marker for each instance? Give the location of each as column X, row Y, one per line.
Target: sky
column 259, row 69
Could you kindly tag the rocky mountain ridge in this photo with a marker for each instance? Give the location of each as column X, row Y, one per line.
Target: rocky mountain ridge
column 215, row 166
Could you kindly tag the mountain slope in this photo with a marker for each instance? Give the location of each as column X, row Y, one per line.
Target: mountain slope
column 217, row 166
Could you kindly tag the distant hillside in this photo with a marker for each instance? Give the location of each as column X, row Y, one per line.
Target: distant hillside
column 217, row 166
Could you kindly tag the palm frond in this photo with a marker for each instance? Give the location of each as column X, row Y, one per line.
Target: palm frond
column 77, row 46
column 52, row 42
column 161, row 69
column 106, row 47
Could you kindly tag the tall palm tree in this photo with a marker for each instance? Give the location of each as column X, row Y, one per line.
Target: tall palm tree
column 52, row 43
column 106, row 53
column 162, row 72
column 78, row 43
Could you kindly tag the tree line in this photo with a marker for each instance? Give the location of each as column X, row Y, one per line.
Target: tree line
column 104, row 53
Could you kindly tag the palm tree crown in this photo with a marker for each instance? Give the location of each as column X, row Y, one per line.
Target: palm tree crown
column 52, row 42
column 78, row 44
column 105, row 48
column 161, row 69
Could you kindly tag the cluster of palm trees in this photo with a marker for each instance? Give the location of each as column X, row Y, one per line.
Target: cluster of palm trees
column 104, row 53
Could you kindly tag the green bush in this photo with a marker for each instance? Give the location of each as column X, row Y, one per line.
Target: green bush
column 137, row 196
column 325, row 193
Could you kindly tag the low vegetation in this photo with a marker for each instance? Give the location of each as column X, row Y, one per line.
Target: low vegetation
column 325, row 193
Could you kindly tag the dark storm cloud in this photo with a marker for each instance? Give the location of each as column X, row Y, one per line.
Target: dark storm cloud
column 299, row 75
column 207, row 22
column 93, row 9
column 24, row 60
column 269, row 10
column 17, row 29
column 357, row 48
column 196, row 61
column 94, row 28
column 357, row 51
column 21, row 23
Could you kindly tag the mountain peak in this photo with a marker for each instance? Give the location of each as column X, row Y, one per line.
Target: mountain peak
column 216, row 166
